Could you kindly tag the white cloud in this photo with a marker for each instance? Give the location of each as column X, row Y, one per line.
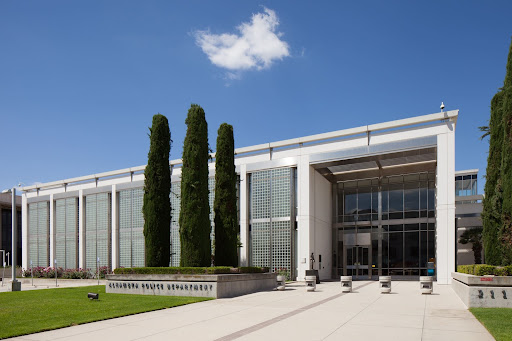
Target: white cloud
column 256, row 47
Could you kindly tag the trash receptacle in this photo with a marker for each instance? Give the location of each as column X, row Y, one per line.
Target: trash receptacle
column 426, row 284
column 346, row 283
column 385, row 284
column 281, row 283
column 311, row 283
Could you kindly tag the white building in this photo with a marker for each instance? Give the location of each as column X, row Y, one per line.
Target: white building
column 366, row 201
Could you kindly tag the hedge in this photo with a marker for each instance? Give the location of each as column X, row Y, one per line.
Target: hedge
column 484, row 269
column 189, row 270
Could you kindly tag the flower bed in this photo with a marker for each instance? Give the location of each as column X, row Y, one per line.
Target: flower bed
column 49, row 272
column 484, row 269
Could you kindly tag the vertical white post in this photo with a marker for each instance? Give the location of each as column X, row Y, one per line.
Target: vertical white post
column 14, row 245
column 445, row 205
column 24, row 232
column 52, row 230
column 244, row 216
column 305, row 222
column 81, row 229
column 115, row 230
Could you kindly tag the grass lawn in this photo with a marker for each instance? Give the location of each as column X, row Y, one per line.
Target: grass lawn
column 498, row 321
column 26, row 312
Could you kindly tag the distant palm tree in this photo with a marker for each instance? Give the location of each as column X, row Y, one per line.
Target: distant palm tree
column 473, row 236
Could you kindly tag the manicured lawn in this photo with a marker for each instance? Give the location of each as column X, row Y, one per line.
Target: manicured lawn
column 27, row 312
column 498, row 321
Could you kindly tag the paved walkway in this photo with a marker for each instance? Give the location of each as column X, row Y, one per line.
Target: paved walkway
column 295, row 314
column 48, row 283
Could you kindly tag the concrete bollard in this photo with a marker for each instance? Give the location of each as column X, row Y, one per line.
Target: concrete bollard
column 385, row 284
column 426, row 284
column 346, row 283
column 281, row 283
column 311, row 283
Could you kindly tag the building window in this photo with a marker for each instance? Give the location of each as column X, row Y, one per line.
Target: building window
column 66, row 232
column 39, row 233
column 98, row 212
column 131, row 227
column 272, row 205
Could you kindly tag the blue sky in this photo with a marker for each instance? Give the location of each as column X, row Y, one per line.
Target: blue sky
column 80, row 81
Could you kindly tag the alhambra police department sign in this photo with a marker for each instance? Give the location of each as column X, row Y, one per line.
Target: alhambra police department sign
column 164, row 288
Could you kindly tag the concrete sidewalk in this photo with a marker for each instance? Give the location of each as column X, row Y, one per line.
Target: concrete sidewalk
column 49, row 283
column 295, row 314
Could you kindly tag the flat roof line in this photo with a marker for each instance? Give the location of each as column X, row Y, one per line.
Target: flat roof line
column 447, row 115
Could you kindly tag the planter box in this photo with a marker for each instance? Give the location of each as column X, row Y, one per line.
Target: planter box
column 483, row 291
column 215, row 286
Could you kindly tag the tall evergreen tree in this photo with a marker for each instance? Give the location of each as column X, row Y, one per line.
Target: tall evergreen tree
column 195, row 210
column 225, row 207
column 491, row 214
column 506, row 165
column 157, row 187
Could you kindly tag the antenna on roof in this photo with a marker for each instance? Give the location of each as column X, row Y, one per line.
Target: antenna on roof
column 442, row 106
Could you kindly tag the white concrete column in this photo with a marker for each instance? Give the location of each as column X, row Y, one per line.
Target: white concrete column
column 52, row 231
column 25, row 261
column 305, row 220
column 445, row 206
column 81, row 229
column 115, row 230
column 244, row 216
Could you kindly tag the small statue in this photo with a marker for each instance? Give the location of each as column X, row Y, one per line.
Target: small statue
column 312, row 261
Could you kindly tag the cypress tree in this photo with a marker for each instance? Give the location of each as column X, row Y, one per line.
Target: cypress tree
column 505, row 233
column 157, row 188
column 491, row 214
column 195, row 210
column 225, row 207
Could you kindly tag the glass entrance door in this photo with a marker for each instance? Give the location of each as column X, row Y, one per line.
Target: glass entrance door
column 358, row 259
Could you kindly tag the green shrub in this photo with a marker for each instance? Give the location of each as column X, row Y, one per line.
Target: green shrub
column 500, row 271
column 508, row 268
column 252, row 269
column 174, row 270
column 483, row 269
column 466, row 269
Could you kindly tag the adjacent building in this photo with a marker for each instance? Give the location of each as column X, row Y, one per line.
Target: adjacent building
column 6, row 228
column 468, row 210
column 366, row 201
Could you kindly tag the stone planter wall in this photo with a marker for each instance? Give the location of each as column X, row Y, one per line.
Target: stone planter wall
column 215, row 286
column 483, row 291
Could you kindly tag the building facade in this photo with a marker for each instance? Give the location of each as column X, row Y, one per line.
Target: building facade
column 366, row 201
column 468, row 211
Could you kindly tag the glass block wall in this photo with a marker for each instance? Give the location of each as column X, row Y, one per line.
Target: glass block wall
column 175, row 227
column 175, row 217
column 131, row 227
column 98, row 230
column 272, row 219
column 39, row 233
column 66, row 233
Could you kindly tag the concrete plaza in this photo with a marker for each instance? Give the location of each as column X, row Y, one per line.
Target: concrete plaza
column 295, row 314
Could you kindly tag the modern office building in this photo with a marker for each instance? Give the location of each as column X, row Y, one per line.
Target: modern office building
column 367, row 201
column 468, row 211
column 6, row 228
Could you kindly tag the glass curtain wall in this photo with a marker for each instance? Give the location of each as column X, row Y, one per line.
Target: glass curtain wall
column 402, row 241
column 98, row 222
column 466, row 185
column 39, row 233
column 131, row 227
column 272, row 219
column 66, row 232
